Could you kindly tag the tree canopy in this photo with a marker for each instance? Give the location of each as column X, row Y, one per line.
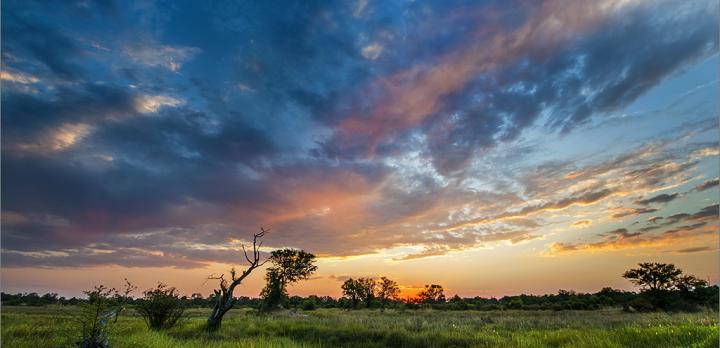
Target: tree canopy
column 287, row 266
column 653, row 276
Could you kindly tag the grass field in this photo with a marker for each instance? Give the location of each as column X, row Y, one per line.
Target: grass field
column 53, row 327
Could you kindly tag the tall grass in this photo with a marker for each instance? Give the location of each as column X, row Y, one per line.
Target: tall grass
column 45, row 327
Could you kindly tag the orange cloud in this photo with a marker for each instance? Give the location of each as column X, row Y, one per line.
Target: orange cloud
column 619, row 241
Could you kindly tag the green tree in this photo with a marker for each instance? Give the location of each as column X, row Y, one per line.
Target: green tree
column 689, row 283
column 367, row 290
column 665, row 286
column 653, row 276
column 288, row 266
column 432, row 294
column 387, row 290
column 353, row 291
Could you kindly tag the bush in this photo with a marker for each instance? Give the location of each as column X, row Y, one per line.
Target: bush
column 309, row 305
column 515, row 303
column 99, row 313
column 161, row 307
column 639, row 304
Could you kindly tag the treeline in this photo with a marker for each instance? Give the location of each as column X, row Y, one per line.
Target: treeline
column 563, row 300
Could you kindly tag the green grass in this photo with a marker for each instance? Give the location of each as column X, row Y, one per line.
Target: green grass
column 53, row 327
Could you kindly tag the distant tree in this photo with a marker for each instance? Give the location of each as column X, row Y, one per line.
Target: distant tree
column 50, row 297
column 432, row 294
column 663, row 286
column 353, row 290
column 197, row 299
column 654, row 277
column 310, row 303
column 515, row 303
column 367, row 290
column 160, row 307
column 689, row 283
column 223, row 297
column 387, row 290
column 457, row 303
column 288, row 266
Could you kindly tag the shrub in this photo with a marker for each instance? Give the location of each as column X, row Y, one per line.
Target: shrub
column 161, row 307
column 309, row 304
column 516, row 303
column 639, row 304
column 99, row 313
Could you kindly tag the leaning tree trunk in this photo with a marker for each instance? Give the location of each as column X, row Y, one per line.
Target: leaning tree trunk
column 224, row 296
column 224, row 303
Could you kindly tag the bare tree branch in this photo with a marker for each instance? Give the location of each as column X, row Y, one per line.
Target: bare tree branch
column 224, row 296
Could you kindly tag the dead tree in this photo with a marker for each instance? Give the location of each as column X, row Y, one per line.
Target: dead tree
column 224, row 300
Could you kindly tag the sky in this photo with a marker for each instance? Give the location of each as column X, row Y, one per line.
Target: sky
column 492, row 147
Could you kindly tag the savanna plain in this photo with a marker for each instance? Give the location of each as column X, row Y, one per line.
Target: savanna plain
column 54, row 326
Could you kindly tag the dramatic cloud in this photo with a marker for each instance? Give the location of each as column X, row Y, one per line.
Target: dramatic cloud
column 405, row 129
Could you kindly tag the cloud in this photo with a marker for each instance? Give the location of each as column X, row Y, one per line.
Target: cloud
column 581, row 224
column 150, row 104
column 661, row 198
column 165, row 56
column 31, row 119
column 693, row 250
column 632, row 211
column 491, row 90
column 620, row 233
column 706, row 213
column 18, row 77
column 350, row 129
column 372, row 51
column 622, row 238
column 339, row 278
column 706, row 152
column 686, row 228
column 69, row 134
column 707, row 184
column 53, row 49
column 655, row 219
column 580, row 198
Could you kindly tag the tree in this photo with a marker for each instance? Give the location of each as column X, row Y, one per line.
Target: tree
column 224, row 296
column 161, row 308
column 367, row 290
column 654, row 277
column 387, row 290
column 353, row 291
column 665, row 287
column 288, row 266
column 689, row 283
column 432, row 294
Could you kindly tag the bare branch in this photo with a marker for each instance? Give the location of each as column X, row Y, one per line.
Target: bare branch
column 224, row 295
column 246, row 255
